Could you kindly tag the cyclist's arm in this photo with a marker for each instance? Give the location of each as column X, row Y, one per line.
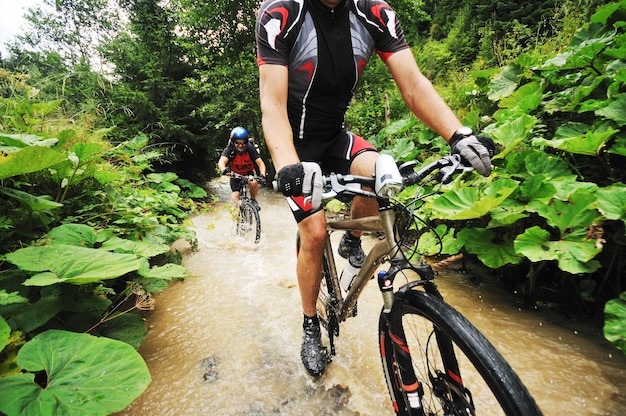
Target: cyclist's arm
column 420, row 95
column 273, row 88
column 261, row 165
column 222, row 163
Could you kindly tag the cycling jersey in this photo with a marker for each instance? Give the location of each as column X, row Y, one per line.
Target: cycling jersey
column 242, row 163
column 325, row 51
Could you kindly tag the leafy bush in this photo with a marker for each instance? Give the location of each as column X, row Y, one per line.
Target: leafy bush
column 554, row 209
column 85, row 235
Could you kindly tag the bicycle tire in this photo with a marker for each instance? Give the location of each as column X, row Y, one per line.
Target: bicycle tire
column 249, row 222
column 488, row 381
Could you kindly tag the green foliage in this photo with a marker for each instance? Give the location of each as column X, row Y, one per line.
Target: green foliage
column 94, row 224
column 615, row 316
column 83, row 374
column 556, row 199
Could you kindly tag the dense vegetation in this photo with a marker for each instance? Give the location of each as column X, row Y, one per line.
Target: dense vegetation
column 111, row 121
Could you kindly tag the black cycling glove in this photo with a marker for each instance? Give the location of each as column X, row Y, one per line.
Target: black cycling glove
column 302, row 179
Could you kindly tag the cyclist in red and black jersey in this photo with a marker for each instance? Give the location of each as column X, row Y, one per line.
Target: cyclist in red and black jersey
column 240, row 156
column 311, row 54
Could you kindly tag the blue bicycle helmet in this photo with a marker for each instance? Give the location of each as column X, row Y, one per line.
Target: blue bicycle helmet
column 239, row 133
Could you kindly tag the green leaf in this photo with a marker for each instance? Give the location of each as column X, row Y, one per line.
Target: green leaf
column 34, row 315
column 166, row 272
column 75, row 234
column 5, row 333
column 191, row 189
column 537, row 188
column 615, row 110
column 84, row 375
column 615, row 322
column 145, row 249
column 511, row 132
column 400, row 126
column 552, row 167
column 128, row 327
column 87, row 152
column 526, row 98
column 34, row 203
column 502, row 215
column 612, row 202
column 574, row 252
column 166, row 177
column 590, row 144
column 429, row 242
column 29, row 159
column 479, row 241
column 575, row 213
column 55, row 299
column 503, row 84
column 403, row 148
column 71, row 264
column 588, row 42
column 468, row 203
column 25, row 140
column 11, row 298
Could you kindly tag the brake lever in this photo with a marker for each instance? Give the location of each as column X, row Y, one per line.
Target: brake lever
column 454, row 165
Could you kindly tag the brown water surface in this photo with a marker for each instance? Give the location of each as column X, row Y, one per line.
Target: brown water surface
column 226, row 342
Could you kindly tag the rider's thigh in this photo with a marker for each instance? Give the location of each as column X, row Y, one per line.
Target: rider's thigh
column 363, row 164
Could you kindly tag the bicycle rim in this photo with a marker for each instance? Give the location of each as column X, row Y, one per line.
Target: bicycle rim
column 457, row 368
column 249, row 223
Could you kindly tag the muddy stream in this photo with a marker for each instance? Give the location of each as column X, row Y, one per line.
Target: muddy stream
column 227, row 341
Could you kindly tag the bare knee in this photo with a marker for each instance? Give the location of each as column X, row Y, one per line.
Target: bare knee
column 313, row 232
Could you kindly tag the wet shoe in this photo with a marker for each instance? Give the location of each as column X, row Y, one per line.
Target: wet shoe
column 256, row 204
column 313, row 354
column 350, row 246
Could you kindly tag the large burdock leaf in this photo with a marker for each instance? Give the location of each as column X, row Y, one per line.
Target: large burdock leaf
column 84, row 375
column 492, row 249
column 575, row 213
column 71, row 264
column 75, row 235
column 503, row 84
column 27, row 160
column 615, row 322
column 615, row 111
column 612, row 202
column 574, row 252
column 469, row 203
column 588, row 144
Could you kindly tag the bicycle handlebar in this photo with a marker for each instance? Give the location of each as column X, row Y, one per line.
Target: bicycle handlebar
column 391, row 179
column 258, row 178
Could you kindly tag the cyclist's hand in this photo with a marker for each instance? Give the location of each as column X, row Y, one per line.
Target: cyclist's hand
column 302, row 179
column 262, row 180
column 227, row 171
column 477, row 150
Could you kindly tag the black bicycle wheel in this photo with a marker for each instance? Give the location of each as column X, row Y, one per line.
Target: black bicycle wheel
column 441, row 345
column 249, row 222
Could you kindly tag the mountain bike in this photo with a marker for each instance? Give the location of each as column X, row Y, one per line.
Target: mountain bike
column 248, row 220
column 434, row 360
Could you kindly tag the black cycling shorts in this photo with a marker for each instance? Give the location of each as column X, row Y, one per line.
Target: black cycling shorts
column 236, row 184
column 333, row 156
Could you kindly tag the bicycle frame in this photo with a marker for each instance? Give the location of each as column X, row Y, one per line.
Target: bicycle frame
column 385, row 250
column 384, row 221
column 248, row 212
column 244, row 193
